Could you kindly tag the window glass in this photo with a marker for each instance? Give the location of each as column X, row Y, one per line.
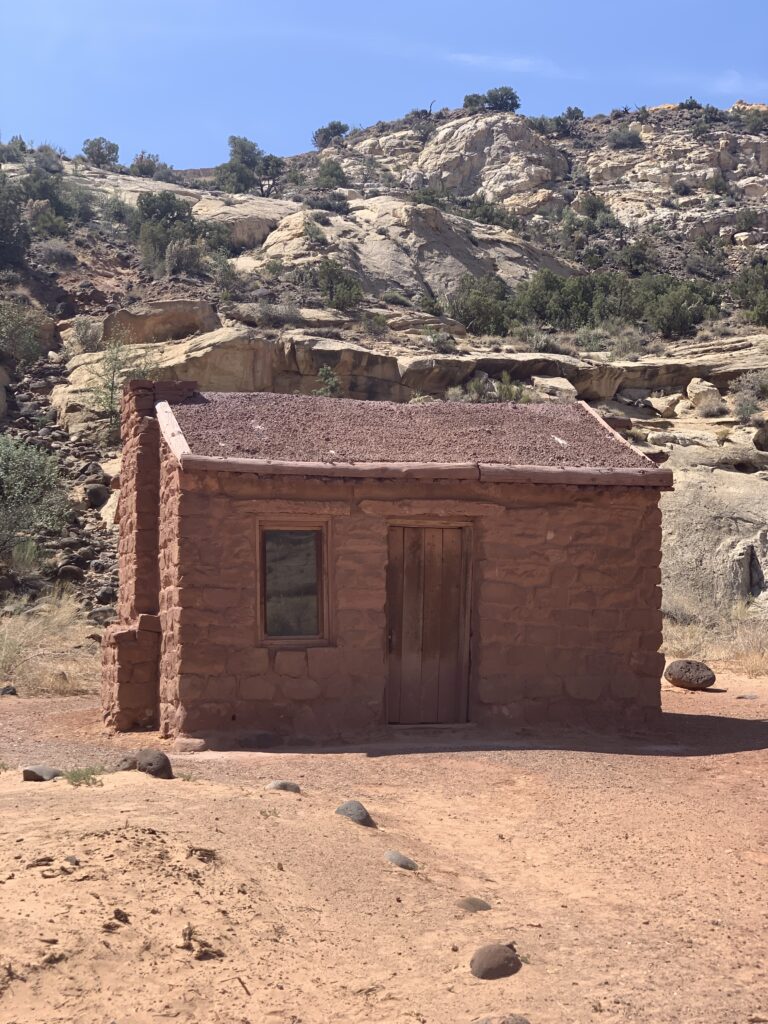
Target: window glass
column 292, row 560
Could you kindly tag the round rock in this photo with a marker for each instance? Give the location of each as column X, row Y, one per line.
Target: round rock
column 189, row 745
column 286, row 787
column 495, row 961
column 401, row 861
column 509, row 1018
column 355, row 811
column 473, row 904
column 689, row 675
column 127, row 763
column 154, row 763
column 70, row 573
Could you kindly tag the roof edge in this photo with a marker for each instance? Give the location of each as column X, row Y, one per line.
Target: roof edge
column 651, row 477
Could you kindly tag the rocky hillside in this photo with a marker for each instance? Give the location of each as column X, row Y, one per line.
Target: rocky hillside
column 620, row 259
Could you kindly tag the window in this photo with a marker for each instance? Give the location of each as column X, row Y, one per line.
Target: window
column 292, row 583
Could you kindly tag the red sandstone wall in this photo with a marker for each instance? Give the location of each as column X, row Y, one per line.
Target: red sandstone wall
column 131, row 647
column 565, row 621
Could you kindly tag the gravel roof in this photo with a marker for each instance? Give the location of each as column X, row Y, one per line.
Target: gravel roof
column 296, row 428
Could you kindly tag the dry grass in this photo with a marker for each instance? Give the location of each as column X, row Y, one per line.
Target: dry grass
column 736, row 636
column 45, row 649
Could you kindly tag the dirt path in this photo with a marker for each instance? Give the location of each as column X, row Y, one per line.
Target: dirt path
column 631, row 874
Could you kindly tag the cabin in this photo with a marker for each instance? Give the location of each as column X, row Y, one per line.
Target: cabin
column 299, row 569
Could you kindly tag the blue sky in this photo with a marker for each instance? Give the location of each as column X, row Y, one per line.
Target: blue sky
column 177, row 77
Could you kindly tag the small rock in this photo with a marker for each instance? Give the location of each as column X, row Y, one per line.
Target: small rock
column 41, row 773
column 96, row 495
column 495, row 961
column 746, row 696
column 355, row 811
column 510, row 1018
column 473, row 904
column 106, row 595
column 401, row 861
column 188, row 745
column 154, row 763
column 70, row 574
column 121, row 916
column 8, row 691
column 287, row 787
column 689, row 675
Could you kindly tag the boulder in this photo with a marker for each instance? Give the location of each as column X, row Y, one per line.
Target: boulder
column 473, row 904
column 282, row 786
column 665, row 405
column 154, row 763
column 495, row 961
column 165, row 320
column 700, row 391
column 96, row 495
column 689, row 674
column 557, row 387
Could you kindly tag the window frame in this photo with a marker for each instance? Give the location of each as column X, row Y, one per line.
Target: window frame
column 292, row 525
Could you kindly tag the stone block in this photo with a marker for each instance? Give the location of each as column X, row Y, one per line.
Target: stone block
column 257, row 687
column 248, row 661
column 291, row 663
column 586, row 687
column 300, row 689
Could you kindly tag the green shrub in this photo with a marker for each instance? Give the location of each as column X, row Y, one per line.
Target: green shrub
column 331, row 202
column 340, row 289
column 31, row 494
column 328, row 385
column 249, row 168
column 754, row 121
column 85, row 776
column 14, row 151
column 101, row 152
column 682, row 188
column 481, row 304
column 313, row 233
column 14, row 236
column 375, row 325
column 120, row 361
column 226, row 280
column 750, row 289
column 186, row 256
column 87, row 332
column 502, row 98
column 623, row 138
column 484, row 211
column 689, row 104
column 149, row 165
column 323, row 137
column 331, row 175
column 20, row 331
column 395, row 298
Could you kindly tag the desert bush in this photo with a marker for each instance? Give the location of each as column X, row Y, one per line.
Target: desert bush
column 339, row 287
column 331, row 202
column 119, row 362
column 101, row 152
column 689, row 104
column 162, row 218
column 186, row 256
column 711, row 406
column 502, row 98
column 375, row 325
column 55, row 253
column 44, row 648
column 737, row 635
column 682, row 188
column 438, row 341
column 483, row 211
column 754, row 121
column 328, row 385
column 89, row 776
column 623, row 138
column 313, row 233
column 331, row 175
column 323, row 137
column 395, row 298
column 277, row 314
column 87, row 334
column 31, row 493
column 20, row 331
column 749, row 392
column 14, row 236
column 226, row 280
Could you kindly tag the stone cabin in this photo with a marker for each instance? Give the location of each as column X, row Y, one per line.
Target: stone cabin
column 303, row 569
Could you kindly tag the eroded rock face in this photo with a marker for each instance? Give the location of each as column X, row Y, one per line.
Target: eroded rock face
column 161, row 321
column 498, row 154
column 249, row 219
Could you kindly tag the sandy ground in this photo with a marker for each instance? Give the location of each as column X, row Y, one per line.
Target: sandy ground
column 630, row 873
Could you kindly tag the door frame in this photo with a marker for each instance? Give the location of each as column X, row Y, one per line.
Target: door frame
column 465, row 615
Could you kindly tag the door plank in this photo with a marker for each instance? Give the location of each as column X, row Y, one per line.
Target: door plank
column 395, row 621
column 432, row 624
column 449, row 696
column 412, row 619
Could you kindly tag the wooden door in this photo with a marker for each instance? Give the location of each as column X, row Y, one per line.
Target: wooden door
column 427, row 623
